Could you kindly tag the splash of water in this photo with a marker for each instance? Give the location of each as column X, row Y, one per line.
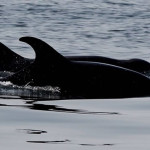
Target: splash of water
column 45, row 92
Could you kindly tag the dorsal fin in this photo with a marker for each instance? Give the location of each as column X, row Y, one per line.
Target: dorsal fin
column 6, row 52
column 10, row 61
column 45, row 54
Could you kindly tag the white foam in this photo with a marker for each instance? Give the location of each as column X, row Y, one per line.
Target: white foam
column 7, row 88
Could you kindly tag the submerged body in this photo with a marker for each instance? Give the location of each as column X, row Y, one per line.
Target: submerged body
column 135, row 64
column 79, row 79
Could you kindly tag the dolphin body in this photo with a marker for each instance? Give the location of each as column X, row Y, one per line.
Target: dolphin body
column 79, row 79
column 12, row 62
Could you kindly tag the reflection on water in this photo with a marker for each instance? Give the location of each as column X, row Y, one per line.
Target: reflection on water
column 68, row 142
column 70, row 123
column 51, row 142
column 31, row 104
column 32, row 131
column 45, row 136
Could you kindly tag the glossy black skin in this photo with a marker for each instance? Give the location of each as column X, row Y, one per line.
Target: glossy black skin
column 10, row 61
column 138, row 65
column 79, row 79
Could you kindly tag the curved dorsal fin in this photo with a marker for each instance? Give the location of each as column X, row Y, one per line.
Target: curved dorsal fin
column 45, row 54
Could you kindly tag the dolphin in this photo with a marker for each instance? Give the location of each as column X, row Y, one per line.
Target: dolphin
column 79, row 79
column 135, row 64
column 12, row 62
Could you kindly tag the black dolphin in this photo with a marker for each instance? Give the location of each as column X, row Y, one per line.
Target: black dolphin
column 135, row 64
column 10, row 61
column 79, row 78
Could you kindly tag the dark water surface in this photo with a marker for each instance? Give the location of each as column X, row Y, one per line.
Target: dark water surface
column 117, row 29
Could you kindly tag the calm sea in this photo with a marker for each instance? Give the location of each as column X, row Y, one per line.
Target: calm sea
column 113, row 28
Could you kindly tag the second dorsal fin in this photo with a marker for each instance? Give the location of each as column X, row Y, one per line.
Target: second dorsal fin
column 11, row 61
column 45, row 54
column 6, row 53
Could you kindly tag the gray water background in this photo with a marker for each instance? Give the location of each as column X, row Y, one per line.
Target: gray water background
column 112, row 28
column 118, row 29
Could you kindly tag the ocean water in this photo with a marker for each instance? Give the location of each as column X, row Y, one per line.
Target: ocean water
column 117, row 29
